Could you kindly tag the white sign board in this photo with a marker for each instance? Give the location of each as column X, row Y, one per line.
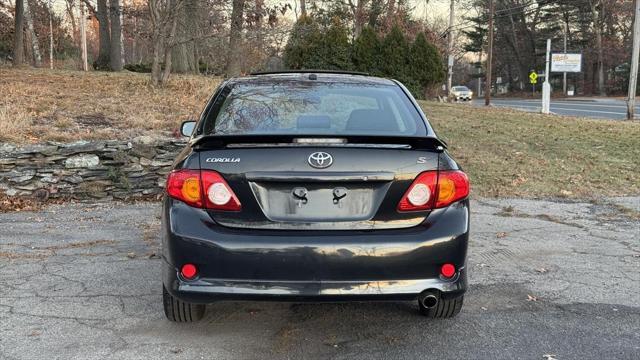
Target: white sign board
column 566, row 62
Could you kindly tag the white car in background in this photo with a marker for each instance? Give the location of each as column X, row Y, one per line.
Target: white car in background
column 461, row 93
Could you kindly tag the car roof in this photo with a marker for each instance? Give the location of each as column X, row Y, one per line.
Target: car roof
column 312, row 75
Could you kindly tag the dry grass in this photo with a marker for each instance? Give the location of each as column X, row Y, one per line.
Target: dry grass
column 507, row 153
column 39, row 104
column 512, row 153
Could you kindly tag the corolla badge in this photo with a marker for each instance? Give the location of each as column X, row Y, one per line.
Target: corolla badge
column 320, row 160
column 223, row 160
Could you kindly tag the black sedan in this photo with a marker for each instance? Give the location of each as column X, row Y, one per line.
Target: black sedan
column 314, row 186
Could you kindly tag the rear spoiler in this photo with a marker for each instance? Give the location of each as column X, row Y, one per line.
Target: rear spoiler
column 221, row 141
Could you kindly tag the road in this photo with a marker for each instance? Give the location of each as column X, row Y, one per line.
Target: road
column 594, row 108
column 548, row 280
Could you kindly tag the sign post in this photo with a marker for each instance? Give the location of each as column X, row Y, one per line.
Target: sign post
column 533, row 79
column 546, row 86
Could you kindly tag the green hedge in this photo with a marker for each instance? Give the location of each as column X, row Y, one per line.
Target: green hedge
column 417, row 65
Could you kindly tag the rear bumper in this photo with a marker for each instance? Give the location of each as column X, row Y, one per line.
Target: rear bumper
column 312, row 265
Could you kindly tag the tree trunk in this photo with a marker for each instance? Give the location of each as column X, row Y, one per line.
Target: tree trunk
column 597, row 27
column 359, row 18
column 391, row 8
column 35, row 47
column 168, row 48
column 374, row 14
column 303, row 7
column 234, row 66
column 104, row 54
column 259, row 16
column 115, row 57
column 184, row 54
column 18, row 43
column 72, row 18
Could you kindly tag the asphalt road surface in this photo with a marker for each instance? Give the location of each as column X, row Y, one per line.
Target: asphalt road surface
column 548, row 280
column 594, row 108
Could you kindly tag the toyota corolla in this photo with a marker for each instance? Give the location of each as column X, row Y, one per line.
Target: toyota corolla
column 314, row 186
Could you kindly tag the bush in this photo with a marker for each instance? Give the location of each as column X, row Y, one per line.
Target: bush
column 425, row 66
column 302, row 48
column 312, row 46
column 366, row 52
column 139, row 68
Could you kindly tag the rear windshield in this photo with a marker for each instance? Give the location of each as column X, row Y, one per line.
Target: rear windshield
column 460, row 88
column 314, row 108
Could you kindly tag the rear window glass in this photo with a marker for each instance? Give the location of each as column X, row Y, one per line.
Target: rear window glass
column 460, row 88
column 314, row 108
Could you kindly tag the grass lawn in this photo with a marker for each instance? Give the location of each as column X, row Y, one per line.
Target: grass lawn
column 514, row 153
column 505, row 152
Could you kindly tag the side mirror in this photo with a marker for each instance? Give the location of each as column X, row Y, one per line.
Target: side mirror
column 187, row 127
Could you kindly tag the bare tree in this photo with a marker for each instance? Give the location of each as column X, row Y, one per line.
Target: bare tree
column 35, row 48
column 359, row 15
column 72, row 17
column 18, row 44
column 234, row 67
column 164, row 19
column 115, row 53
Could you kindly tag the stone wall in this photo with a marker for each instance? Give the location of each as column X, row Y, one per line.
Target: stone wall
column 97, row 169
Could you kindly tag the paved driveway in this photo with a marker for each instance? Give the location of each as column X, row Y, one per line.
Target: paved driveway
column 82, row 281
column 594, row 108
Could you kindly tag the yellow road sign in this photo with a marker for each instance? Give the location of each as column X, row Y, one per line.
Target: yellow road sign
column 533, row 78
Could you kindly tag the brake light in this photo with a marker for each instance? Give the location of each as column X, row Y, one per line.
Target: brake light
column 432, row 190
column 202, row 189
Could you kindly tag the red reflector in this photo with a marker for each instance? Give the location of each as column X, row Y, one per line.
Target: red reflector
column 448, row 270
column 189, row 271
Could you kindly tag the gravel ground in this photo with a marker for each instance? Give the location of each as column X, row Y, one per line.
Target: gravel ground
column 548, row 280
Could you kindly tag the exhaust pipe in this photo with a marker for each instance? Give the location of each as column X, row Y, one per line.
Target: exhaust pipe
column 428, row 299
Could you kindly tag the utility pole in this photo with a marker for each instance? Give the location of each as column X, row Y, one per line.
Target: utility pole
column 564, row 74
column 450, row 47
column 487, row 84
column 83, row 37
column 546, row 86
column 633, row 76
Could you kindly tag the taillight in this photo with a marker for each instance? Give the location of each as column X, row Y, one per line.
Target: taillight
column 202, row 189
column 185, row 185
column 453, row 185
column 432, row 190
column 421, row 193
column 217, row 193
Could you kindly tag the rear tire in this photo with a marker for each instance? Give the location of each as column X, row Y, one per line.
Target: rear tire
column 180, row 311
column 445, row 308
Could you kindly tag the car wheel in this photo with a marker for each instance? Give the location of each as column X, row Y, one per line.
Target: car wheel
column 180, row 311
column 444, row 308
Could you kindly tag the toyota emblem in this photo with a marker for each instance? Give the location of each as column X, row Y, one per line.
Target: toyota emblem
column 320, row 160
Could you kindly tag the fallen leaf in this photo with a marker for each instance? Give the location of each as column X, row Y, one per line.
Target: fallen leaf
column 549, row 357
column 176, row 351
column 531, row 298
column 131, row 255
column 501, row 234
column 542, row 270
column 483, row 308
